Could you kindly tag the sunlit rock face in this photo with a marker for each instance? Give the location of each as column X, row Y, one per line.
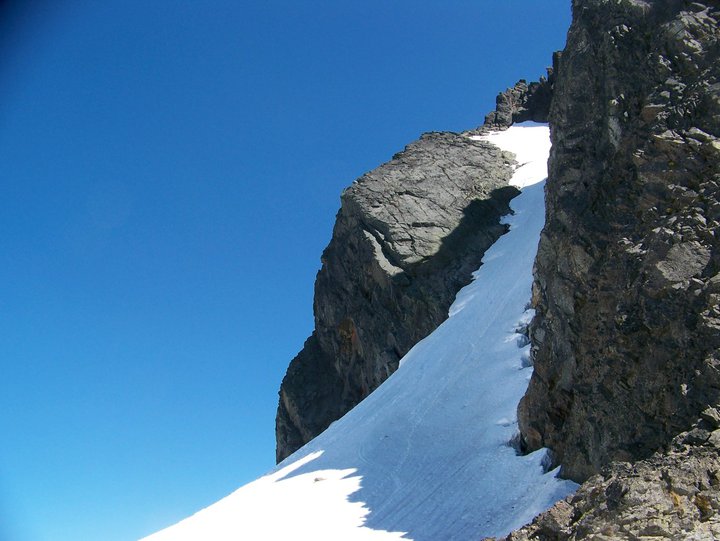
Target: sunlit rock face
column 627, row 334
column 407, row 237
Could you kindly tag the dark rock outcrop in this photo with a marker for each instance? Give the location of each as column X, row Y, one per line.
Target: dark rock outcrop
column 626, row 341
column 524, row 101
column 670, row 496
column 407, row 238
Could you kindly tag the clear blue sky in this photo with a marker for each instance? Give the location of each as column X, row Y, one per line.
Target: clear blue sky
column 169, row 175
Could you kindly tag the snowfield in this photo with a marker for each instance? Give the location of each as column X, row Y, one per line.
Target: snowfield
column 426, row 456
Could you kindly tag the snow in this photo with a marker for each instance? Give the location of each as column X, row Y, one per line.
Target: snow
column 530, row 148
column 427, row 455
column 284, row 505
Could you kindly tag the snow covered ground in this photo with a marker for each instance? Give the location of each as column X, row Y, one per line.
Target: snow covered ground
column 426, row 456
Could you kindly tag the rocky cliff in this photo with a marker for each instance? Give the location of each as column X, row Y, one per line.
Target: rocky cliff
column 627, row 334
column 626, row 341
column 407, row 237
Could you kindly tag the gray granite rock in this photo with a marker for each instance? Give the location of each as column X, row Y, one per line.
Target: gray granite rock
column 407, row 237
column 626, row 341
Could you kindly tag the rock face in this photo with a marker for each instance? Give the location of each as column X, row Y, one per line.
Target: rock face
column 407, row 238
column 626, row 341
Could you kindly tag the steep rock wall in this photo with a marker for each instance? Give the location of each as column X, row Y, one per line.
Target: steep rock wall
column 407, row 237
column 626, row 341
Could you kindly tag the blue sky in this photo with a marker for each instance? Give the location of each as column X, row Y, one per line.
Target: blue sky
column 169, row 175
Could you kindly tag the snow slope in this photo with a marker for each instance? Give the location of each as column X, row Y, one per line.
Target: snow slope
column 426, row 456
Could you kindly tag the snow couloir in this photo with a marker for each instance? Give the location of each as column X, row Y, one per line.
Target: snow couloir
column 426, row 456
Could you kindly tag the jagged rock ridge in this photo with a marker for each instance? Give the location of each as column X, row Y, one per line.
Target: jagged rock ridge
column 524, row 101
column 406, row 239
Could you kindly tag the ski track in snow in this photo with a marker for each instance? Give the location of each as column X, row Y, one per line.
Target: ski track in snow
column 425, row 456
